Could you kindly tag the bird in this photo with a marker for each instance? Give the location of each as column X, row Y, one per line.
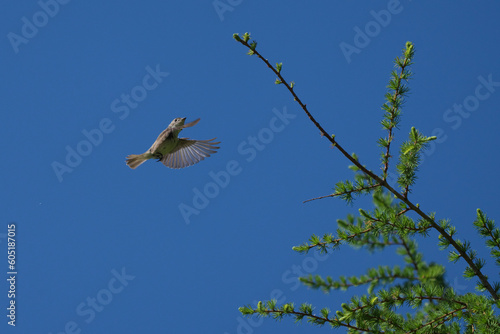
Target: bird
column 175, row 152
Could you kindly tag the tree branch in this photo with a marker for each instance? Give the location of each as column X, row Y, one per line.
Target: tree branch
column 401, row 197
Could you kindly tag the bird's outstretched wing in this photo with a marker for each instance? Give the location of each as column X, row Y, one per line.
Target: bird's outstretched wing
column 189, row 152
column 193, row 123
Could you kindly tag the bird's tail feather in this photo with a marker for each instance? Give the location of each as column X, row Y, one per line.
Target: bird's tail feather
column 135, row 160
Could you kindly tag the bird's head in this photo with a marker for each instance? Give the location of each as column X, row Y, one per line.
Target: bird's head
column 177, row 123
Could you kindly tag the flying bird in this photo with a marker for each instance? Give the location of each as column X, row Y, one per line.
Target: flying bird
column 175, row 152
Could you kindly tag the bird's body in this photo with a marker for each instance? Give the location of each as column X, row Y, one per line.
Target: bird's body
column 165, row 143
column 175, row 152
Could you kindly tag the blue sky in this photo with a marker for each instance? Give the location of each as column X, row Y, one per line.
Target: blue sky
column 102, row 248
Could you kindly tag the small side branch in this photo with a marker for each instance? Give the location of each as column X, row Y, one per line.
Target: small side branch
column 344, row 193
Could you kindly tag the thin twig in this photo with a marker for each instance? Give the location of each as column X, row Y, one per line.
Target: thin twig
column 413, row 260
column 333, row 321
column 391, row 136
column 343, row 193
column 441, row 317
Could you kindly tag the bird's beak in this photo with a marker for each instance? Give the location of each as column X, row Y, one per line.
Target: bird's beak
column 184, row 119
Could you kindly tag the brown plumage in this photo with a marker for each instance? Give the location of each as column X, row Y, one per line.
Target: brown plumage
column 175, row 152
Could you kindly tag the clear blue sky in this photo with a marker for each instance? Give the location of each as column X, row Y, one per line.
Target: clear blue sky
column 103, row 249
